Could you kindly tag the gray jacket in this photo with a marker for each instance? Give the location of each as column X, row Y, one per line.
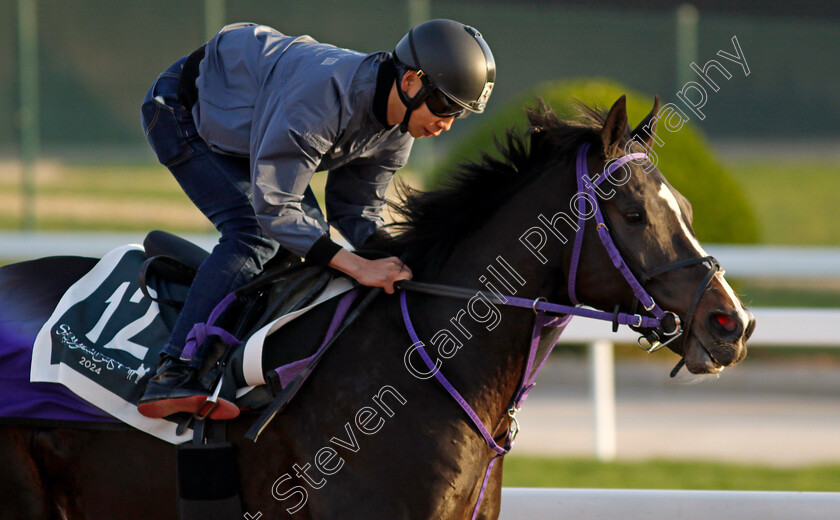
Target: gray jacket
column 296, row 106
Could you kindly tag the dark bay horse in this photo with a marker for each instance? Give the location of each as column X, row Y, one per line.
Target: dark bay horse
column 370, row 435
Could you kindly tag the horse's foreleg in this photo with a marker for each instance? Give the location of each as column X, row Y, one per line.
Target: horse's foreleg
column 22, row 490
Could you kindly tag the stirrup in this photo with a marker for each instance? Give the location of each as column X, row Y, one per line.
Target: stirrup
column 204, row 411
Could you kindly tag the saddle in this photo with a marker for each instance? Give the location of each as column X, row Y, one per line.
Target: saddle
column 254, row 314
column 104, row 337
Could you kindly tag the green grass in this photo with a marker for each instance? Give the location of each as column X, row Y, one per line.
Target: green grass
column 105, row 197
column 721, row 210
column 527, row 471
column 795, row 200
column 100, row 197
column 775, row 293
column 114, row 180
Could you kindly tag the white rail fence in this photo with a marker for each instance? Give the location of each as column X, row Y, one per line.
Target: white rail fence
column 776, row 327
column 638, row 504
column 740, row 261
column 794, row 327
column 16, row 245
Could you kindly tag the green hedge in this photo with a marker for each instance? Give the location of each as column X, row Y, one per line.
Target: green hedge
column 722, row 213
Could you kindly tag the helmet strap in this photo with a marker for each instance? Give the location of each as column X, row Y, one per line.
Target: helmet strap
column 411, row 103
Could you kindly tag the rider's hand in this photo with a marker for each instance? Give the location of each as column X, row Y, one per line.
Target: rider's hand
column 382, row 272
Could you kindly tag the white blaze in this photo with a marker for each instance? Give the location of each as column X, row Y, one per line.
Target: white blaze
column 666, row 194
column 742, row 312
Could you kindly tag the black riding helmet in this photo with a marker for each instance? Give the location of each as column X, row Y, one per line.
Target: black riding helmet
column 455, row 65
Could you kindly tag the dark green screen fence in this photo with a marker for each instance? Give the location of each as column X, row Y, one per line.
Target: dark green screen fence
column 98, row 57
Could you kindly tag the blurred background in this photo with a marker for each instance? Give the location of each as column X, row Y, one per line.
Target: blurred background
column 760, row 168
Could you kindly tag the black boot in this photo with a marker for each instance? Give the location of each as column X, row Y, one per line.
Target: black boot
column 175, row 388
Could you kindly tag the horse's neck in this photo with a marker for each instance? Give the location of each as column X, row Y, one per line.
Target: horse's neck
column 490, row 365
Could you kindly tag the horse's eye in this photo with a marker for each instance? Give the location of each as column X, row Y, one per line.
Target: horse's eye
column 633, row 216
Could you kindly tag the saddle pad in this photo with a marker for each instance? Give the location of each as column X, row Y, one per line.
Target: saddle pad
column 21, row 400
column 103, row 341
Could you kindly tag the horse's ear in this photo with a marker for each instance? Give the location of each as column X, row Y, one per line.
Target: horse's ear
column 644, row 131
column 615, row 126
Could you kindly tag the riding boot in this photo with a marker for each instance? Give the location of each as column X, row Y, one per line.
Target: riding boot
column 175, row 388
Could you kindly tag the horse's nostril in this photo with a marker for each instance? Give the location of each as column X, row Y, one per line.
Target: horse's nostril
column 725, row 326
column 726, row 322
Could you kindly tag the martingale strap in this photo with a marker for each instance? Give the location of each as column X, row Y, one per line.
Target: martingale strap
column 526, row 383
column 485, row 433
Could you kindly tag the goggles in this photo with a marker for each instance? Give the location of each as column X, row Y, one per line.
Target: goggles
column 440, row 105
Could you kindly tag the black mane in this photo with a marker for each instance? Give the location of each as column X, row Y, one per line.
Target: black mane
column 430, row 223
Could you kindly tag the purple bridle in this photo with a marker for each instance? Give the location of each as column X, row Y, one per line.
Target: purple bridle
column 558, row 315
column 642, row 296
column 670, row 325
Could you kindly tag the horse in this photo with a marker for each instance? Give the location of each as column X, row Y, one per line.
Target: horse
column 371, row 434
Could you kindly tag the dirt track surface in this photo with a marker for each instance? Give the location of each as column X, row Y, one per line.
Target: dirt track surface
column 756, row 412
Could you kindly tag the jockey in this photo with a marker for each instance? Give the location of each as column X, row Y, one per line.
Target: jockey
column 246, row 120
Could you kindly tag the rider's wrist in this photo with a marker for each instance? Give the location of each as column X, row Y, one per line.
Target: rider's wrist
column 322, row 251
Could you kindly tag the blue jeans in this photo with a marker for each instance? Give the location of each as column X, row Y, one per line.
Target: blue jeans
column 220, row 186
